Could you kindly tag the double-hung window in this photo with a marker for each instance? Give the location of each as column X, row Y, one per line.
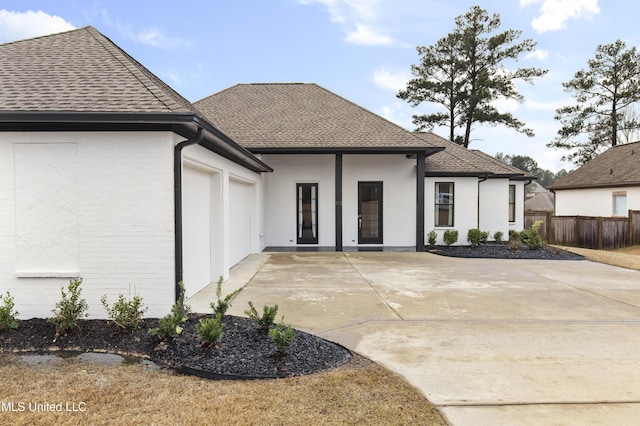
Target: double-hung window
column 444, row 204
column 620, row 203
column 512, row 203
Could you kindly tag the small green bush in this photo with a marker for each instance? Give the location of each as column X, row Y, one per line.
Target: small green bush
column 171, row 324
column 514, row 235
column 7, row 313
column 222, row 305
column 515, row 245
column 126, row 314
column 210, row 329
column 433, row 238
column 70, row 308
column 450, row 236
column 475, row 237
column 283, row 336
column 531, row 237
column 267, row 318
column 498, row 236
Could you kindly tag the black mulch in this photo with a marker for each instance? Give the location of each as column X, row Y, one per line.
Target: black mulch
column 502, row 251
column 243, row 351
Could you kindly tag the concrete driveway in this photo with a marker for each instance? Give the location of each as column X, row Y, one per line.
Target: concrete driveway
column 488, row 342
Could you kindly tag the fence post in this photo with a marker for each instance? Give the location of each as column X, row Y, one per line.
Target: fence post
column 600, row 232
column 630, row 234
column 548, row 226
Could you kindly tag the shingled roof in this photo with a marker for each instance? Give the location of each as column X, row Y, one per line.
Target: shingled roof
column 455, row 160
column 618, row 166
column 264, row 117
column 80, row 71
column 81, row 80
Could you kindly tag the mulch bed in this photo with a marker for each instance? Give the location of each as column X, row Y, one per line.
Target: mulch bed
column 244, row 351
column 502, row 251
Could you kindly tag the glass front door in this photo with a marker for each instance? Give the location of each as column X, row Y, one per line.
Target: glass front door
column 369, row 212
column 307, row 209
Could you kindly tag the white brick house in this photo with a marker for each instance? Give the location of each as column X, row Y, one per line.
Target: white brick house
column 108, row 174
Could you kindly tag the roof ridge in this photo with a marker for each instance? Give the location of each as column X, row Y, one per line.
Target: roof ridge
column 138, row 71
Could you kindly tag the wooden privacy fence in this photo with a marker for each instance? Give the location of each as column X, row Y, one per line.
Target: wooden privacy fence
column 599, row 233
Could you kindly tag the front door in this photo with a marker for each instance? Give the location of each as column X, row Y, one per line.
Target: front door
column 307, row 213
column 369, row 212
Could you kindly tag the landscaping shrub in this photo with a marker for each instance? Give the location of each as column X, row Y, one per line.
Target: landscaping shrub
column 433, row 238
column 515, row 245
column 126, row 314
column 514, row 235
column 475, row 237
column 170, row 324
column 283, row 336
column 210, row 329
column 70, row 308
column 7, row 313
column 498, row 236
column 531, row 237
column 267, row 318
column 222, row 305
column 450, row 236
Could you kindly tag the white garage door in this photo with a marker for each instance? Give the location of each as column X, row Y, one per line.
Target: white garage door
column 241, row 205
column 196, row 229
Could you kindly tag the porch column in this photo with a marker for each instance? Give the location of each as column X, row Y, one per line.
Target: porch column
column 338, row 181
column 420, row 174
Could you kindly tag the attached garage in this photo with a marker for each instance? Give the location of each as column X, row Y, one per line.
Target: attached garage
column 201, row 223
column 242, row 208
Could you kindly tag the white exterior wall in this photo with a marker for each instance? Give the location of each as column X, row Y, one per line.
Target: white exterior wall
column 398, row 177
column 280, row 196
column 465, row 207
column 117, row 193
column 399, row 197
column 490, row 213
column 593, row 201
column 232, row 229
column 494, row 206
column 518, row 225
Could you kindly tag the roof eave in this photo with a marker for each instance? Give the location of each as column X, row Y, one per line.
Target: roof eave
column 346, row 150
column 183, row 123
column 594, row 186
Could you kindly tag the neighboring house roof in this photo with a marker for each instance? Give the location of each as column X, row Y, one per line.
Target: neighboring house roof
column 80, row 80
column 297, row 116
column 457, row 160
column 618, row 166
column 540, row 202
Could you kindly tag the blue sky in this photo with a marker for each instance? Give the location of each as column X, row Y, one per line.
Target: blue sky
column 359, row 49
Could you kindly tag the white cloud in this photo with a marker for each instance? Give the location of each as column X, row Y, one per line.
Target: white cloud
column 21, row 25
column 391, row 81
column 368, row 36
column 554, row 14
column 537, row 54
column 361, row 20
column 400, row 114
column 148, row 36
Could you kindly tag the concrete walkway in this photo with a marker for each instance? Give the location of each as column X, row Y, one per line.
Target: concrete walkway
column 488, row 342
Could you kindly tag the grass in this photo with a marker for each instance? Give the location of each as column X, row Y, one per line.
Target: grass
column 628, row 257
column 359, row 393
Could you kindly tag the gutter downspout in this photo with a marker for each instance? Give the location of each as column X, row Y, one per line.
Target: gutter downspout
column 177, row 199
